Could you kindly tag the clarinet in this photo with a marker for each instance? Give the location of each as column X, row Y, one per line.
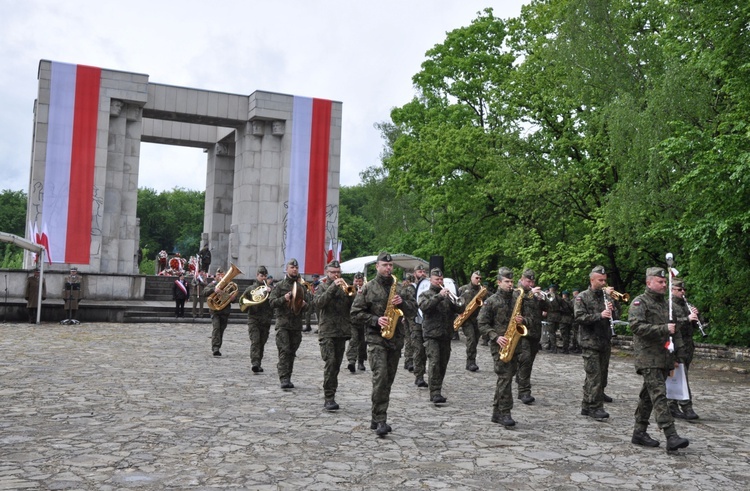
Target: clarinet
column 700, row 324
column 608, row 304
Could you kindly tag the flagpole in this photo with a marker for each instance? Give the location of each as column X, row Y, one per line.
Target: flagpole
column 41, row 282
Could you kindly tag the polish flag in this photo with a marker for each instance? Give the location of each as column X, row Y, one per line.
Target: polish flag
column 308, row 183
column 329, row 256
column 69, row 165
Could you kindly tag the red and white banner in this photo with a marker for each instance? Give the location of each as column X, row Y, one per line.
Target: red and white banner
column 308, row 183
column 69, row 164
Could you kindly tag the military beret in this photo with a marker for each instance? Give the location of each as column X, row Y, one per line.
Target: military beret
column 529, row 273
column 678, row 283
column 270, row 277
column 359, row 276
column 316, row 276
column 552, row 286
column 504, row 273
column 219, row 271
column 599, row 270
column 293, row 262
column 656, row 271
column 436, row 272
column 565, row 292
column 333, row 264
column 262, row 270
column 385, row 257
column 419, row 268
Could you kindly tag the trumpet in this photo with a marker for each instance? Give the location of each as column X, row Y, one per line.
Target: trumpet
column 454, row 299
column 348, row 289
column 620, row 297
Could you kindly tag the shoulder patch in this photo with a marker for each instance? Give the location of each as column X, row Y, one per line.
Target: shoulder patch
column 636, row 302
column 578, row 299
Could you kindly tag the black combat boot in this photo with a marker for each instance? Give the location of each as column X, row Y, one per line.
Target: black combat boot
column 598, row 413
column 361, row 366
column 382, row 429
column 674, row 442
column 606, row 398
column 419, row 382
column 374, row 426
column 351, row 367
column 287, row 384
column 689, row 413
column 330, row 405
column 503, row 419
column 644, row 439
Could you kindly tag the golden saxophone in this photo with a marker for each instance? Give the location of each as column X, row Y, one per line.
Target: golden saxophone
column 393, row 314
column 475, row 303
column 218, row 300
column 514, row 332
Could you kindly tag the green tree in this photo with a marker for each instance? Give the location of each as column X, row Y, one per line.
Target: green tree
column 12, row 221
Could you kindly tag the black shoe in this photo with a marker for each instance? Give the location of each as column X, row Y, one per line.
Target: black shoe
column 566, row 351
column 420, row 382
column 643, row 438
column 554, row 349
column 503, row 419
column 527, row 398
column 676, row 413
column 585, row 411
column 287, row 384
column 256, row 368
column 606, row 398
column 330, row 405
column 307, row 329
column 689, row 413
column 437, row 399
column 260, row 369
column 361, row 366
column 351, row 367
column 598, row 413
column 382, row 429
column 674, row 442
column 374, row 426
column 472, row 367
column 217, row 353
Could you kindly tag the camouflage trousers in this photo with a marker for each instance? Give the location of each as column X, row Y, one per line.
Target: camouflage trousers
column 687, row 403
column 526, row 354
column 357, row 351
column 439, row 354
column 332, row 352
column 219, row 323
column 552, row 328
column 596, row 366
column 566, row 329
column 471, row 331
column 408, row 344
column 653, row 398
column 258, row 331
column 287, row 342
column 420, row 356
column 503, row 400
column 198, row 300
column 384, row 365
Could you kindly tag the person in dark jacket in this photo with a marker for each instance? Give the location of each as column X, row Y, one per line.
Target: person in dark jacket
column 468, row 292
column 439, row 309
column 529, row 345
column 180, row 293
column 219, row 318
column 259, row 319
column 685, row 318
column 593, row 315
column 32, row 295
column 333, row 302
column 652, row 330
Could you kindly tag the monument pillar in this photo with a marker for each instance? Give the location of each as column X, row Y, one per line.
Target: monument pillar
column 217, row 219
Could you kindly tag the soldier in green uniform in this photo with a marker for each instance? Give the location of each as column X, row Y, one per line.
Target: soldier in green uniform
column 575, row 328
column 370, row 308
column 333, row 304
column 566, row 320
column 649, row 321
column 73, row 289
column 470, row 327
column 219, row 318
column 356, row 354
column 439, row 310
column 32, row 295
column 593, row 316
column 419, row 357
column 493, row 321
column 288, row 322
column 685, row 318
column 554, row 314
column 530, row 344
column 408, row 284
column 259, row 319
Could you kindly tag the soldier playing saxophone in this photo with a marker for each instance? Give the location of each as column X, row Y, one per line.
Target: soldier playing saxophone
column 493, row 321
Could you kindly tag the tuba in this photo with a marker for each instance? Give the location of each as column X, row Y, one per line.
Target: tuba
column 258, row 295
column 475, row 303
column 393, row 314
column 514, row 332
column 219, row 300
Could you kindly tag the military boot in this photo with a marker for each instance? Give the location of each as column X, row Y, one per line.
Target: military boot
column 642, row 438
column 330, row 405
column 374, row 426
column 419, row 382
column 689, row 413
column 675, row 442
column 503, row 419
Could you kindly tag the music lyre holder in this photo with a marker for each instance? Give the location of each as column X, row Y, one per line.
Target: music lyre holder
column 70, row 288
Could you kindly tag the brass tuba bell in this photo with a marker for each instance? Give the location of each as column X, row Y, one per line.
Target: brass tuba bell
column 219, row 300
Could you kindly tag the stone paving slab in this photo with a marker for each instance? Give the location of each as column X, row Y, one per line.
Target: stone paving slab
column 146, row 406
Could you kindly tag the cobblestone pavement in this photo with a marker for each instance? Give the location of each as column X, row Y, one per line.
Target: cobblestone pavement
column 146, row 406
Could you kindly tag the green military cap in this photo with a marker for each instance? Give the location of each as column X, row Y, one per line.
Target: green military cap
column 333, row 264
column 678, row 283
column 656, row 271
column 419, row 268
column 599, row 270
column 385, row 257
column 219, row 271
column 477, row 272
column 293, row 262
column 504, row 273
column 436, row 272
column 359, row 276
column 262, row 270
column 529, row 273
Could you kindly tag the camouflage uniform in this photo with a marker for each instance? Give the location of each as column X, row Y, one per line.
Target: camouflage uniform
column 288, row 325
column 684, row 346
column 594, row 337
column 437, row 329
column 529, row 345
column 470, row 327
column 73, row 293
column 419, row 358
column 383, row 354
column 409, row 347
column 648, row 315
column 554, row 314
column 566, row 321
column 357, row 351
column 333, row 305
column 259, row 319
column 219, row 319
column 493, row 321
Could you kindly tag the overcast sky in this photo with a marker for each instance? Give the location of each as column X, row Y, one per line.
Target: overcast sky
column 362, row 53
